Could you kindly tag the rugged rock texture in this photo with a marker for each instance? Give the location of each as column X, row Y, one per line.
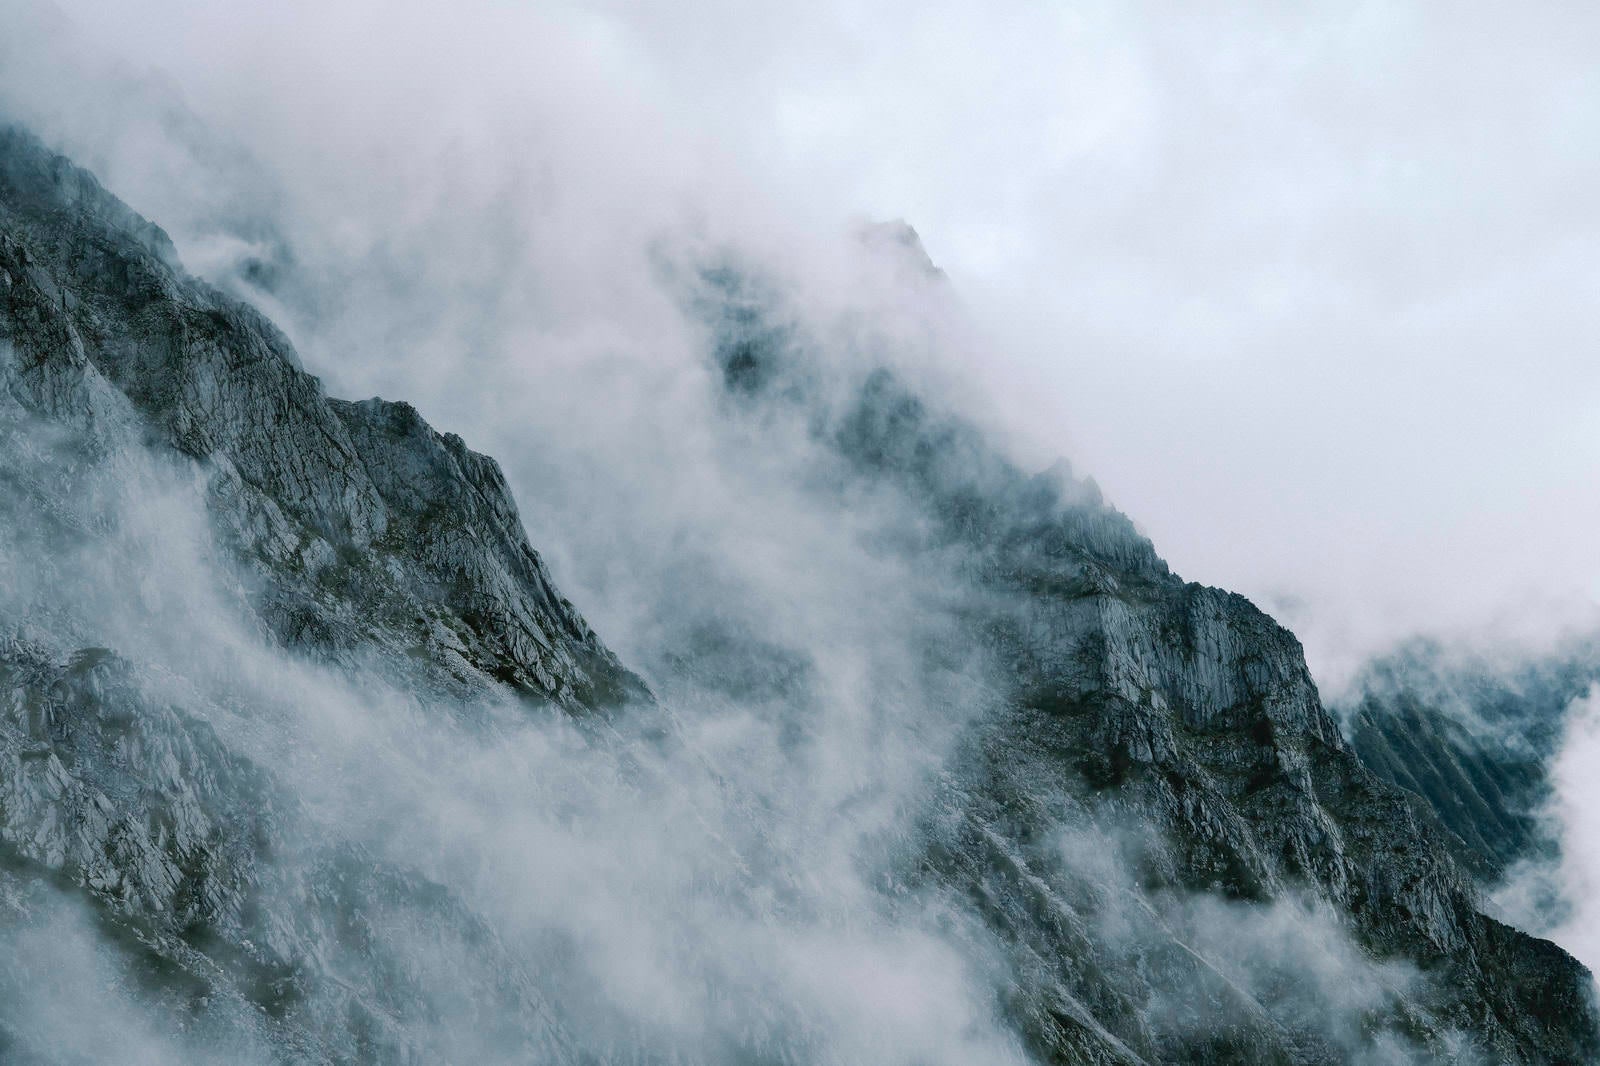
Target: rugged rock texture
column 363, row 537
column 368, row 527
column 1473, row 740
column 1150, row 814
column 108, row 788
column 1177, row 724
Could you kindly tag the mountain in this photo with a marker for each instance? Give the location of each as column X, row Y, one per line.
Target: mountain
column 1474, row 740
column 286, row 686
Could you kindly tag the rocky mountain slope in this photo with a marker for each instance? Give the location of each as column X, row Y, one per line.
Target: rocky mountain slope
column 361, row 520
column 1475, row 741
column 1182, row 721
column 359, row 536
column 1146, row 832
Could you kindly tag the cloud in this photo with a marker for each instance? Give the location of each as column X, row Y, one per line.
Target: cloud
column 1571, row 919
column 1306, row 293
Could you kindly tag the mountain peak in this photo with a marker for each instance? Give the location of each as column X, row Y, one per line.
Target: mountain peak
column 898, row 241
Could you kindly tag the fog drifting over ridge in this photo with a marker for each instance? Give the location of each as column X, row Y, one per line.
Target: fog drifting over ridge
column 501, row 216
column 1309, row 296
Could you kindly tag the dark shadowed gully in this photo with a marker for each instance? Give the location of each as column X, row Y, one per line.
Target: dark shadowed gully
column 1140, row 837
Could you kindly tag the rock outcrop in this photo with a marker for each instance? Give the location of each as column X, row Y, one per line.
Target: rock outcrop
column 1473, row 740
column 1148, row 812
column 360, row 536
column 366, row 527
column 1178, row 726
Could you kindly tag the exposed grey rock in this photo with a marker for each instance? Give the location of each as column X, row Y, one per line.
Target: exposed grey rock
column 364, row 536
column 366, row 527
column 1176, row 718
column 1149, row 814
column 1473, row 740
column 178, row 841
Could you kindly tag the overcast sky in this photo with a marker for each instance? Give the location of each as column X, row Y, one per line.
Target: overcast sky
column 1312, row 296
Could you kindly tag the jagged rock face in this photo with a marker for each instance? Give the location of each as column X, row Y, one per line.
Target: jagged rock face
column 364, row 522
column 362, row 536
column 1135, row 699
column 1474, row 742
column 179, row 841
column 1146, row 815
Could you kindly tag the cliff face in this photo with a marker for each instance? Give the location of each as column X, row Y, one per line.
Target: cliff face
column 366, row 527
column 357, row 537
column 1177, row 728
column 1472, row 740
column 1147, row 814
